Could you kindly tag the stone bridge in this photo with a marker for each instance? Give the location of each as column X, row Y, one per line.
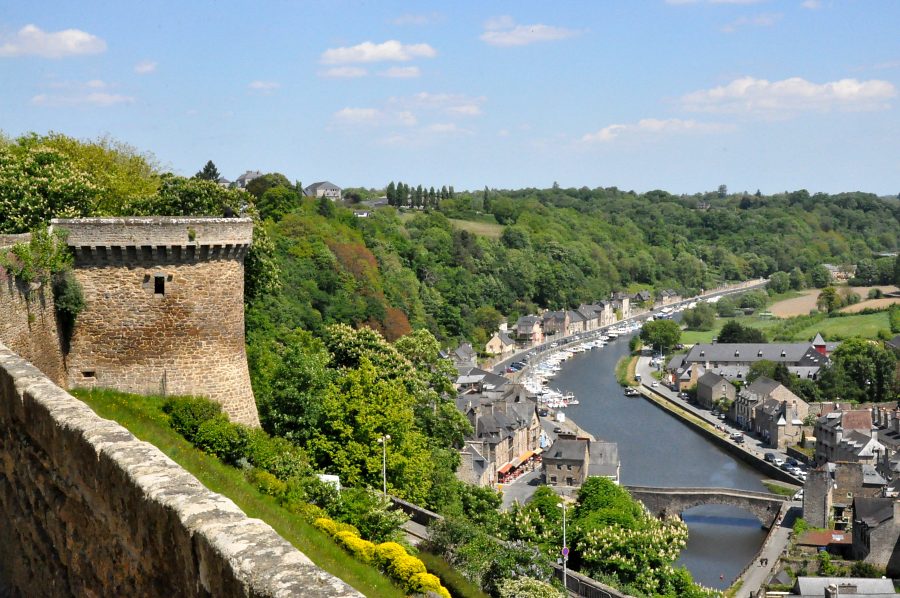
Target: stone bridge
column 674, row 501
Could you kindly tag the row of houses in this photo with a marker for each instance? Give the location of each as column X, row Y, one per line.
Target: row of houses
column 534, row 329
column 507, row 437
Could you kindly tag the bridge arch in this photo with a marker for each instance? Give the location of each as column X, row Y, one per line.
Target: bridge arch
column 674, row 501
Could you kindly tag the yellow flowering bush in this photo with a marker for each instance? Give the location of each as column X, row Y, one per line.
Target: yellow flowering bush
column 326, row 525
column 386, row 552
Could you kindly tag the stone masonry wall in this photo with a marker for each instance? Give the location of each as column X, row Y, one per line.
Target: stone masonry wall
column 86, row 509
column 28, row 321
column 164, row 308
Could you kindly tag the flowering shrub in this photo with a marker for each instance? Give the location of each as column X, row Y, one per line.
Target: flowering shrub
column 386, row 552
column 422, row 583
column 405, row 566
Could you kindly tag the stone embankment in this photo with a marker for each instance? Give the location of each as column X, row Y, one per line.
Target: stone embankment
column 86, row 509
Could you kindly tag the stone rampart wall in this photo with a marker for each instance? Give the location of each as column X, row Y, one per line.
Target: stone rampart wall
column 28, row 320
column 86, row 509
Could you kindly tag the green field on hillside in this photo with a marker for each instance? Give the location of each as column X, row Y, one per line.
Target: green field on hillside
column 485, row 229
column 865, row 325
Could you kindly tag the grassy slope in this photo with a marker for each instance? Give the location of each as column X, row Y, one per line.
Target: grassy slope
column 144, row 418
column 485, row 229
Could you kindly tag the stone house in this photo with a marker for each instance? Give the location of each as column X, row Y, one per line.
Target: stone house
column 501, row 343
column 555, row 322
column 667, row 297
column 818, row 498
column 778, row 416
column 621, row 302
column 711, row 388
column 876, row 532
column 576, row 322
column 529, row 331
column 323, row 189
column 832, row 427
column 464, row 356
column 506, row 432
column 567, row 461
column 643, row 298
column 835, row 587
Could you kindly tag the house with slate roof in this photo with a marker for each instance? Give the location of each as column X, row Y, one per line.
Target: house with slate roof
column 464, row 356
column 555, row 322
column 242, row 181
column 621, row 302
column 567, row 461
column 733, row 360
column 712, row 388
column 832, row 428
column 529, row 331
column 876, row 533
column 323, row 189
column 506, row 433
column 501, row 343
column 777, row 414
column 605, row 460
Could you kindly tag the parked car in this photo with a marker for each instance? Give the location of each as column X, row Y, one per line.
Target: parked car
column 770, row 457
column 557, row 430
column 778, row 462
column 787, row 467
column 655, row 384
column 792, row 462
column 543, row 413
column 798, row 496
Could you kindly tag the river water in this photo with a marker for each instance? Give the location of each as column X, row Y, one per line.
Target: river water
column 657, row 449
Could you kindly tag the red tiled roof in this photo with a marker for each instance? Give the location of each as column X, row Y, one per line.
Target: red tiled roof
column 825, row 538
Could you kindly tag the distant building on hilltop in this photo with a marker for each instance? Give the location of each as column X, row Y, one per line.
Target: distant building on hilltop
column 242, row 181
column 323, row 189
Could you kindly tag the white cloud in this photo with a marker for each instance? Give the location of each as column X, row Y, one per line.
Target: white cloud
column 145, row 67
column 31, row 40
column 761, row 20
column 447, row 129
column 374, row 117
column 451, row 104
column 344, row 72
column 777, row 98
column 391, row 50
column 417, row 19
column 503, row 31
column 264, row 87
column 812, row 4
column 95, row 84
column 654, row 126
column 97, row 98
column 402, row 72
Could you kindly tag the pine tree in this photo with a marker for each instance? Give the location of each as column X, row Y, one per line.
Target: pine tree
column 208, row 173
column 418, row 202
column 444, row 194
column 451, row 193
column 432, row 198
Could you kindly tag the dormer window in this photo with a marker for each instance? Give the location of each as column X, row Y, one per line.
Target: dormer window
column 737, row 353
column 783, row 353
column 759, row 353
column 702, row 353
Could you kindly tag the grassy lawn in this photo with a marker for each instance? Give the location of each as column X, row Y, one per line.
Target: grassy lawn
column 485, row 229
column 625, row 370
column 866, row 325
column 780, row 489
column 144, row 418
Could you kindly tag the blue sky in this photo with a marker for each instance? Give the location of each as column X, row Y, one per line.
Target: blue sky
column 681, row 95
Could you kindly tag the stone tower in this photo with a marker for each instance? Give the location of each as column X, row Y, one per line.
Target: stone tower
column 164, row 308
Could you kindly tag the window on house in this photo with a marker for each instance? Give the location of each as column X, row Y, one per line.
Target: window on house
column 569, row 467
column 553, row 479
column 88, row 374
column 159, row 285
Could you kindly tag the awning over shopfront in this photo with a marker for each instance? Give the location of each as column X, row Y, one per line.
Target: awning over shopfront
column 505, row 468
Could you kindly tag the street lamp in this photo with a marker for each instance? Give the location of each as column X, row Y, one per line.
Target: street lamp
column 565, row 549
column 383, row 442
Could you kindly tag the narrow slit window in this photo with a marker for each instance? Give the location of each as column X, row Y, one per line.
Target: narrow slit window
column 159, row 285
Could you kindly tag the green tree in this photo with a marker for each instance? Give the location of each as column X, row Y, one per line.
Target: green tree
column 391, row 194
column 798, row 280
column 275, row 202
column 861, row 371
column 734, row 332
column 829, row 300
column 209, row 172
column 702, row 317
column 819, row 276
column 661, row 334
column 325, row 207
column 258, row 186
column 779, row 282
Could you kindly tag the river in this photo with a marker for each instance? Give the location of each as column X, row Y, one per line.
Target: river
column 657, row 449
